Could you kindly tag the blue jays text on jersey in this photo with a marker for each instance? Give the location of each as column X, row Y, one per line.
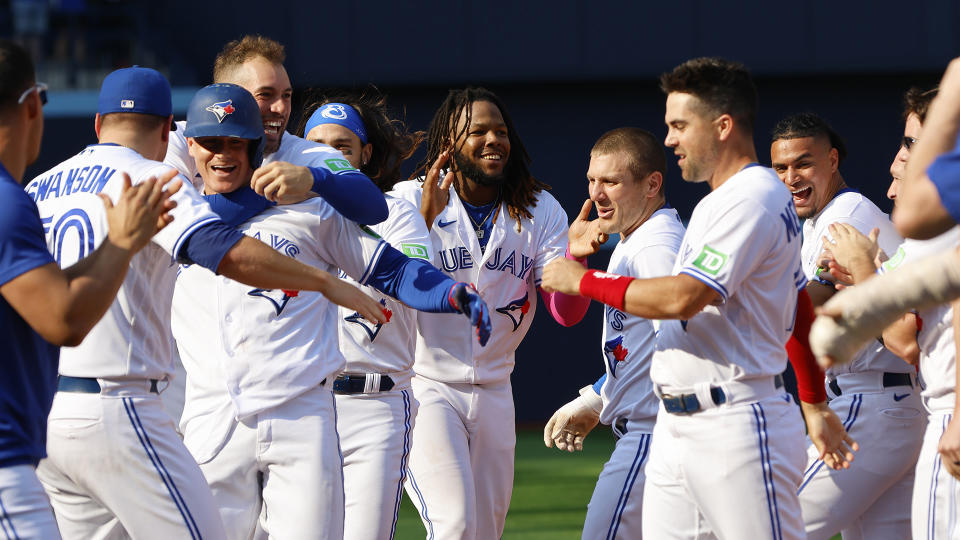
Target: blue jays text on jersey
column 454, row 259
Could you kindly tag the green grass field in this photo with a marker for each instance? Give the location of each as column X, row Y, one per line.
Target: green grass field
column 550, row 489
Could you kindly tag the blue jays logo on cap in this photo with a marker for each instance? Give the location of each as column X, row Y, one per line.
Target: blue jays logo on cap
column 222, row 109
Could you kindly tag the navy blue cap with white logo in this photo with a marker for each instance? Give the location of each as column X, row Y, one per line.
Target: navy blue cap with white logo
column 135, row 90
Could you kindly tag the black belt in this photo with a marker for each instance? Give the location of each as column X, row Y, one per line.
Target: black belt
column 87, row 385
column 357, row 384
column 889, row 380
column 689, row 403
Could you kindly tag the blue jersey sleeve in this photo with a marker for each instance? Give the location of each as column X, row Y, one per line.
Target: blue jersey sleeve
column 237, row 206
column 352, row 194
column 944, row 172
column 414, row 282
column 599, row 384
column 22, row 243
column 208, row 244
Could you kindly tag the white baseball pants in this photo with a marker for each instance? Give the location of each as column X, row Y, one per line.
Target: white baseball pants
column 936, row 494
column 615, row 508
column 25, row 511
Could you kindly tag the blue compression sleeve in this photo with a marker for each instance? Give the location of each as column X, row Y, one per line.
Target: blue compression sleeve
column 599, row 384
column 208, row 244
column 352, row 194
column 415, row 282
column 237, row 206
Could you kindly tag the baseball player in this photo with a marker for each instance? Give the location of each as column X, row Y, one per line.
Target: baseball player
column 877, row 390
column 491, row 223
column 625, row 179
column 376, row 409
column 260, row 408
column 723, row 427
column 116, row 464
column 926, row 207
column 42, row 307
column 291, row 164
column 934, row 488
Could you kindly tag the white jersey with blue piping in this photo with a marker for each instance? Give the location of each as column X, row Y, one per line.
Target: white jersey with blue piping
column 743, row 241
column 628, row 341
column 935, row 332
column 248, row 349
column 506, row 275
column 850, row 207
column 387, row 348
column 132, row 340
column 293, row 149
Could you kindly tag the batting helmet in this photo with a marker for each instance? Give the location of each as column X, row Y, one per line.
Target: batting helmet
column 227, row 110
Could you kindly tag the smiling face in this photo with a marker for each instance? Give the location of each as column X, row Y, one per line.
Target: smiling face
column 911, row 133
column 691, row 134
column 270, row 86
column 343, row 140
column 621, row 199
column 223, row 162
column 484, row 148
column 808, row 167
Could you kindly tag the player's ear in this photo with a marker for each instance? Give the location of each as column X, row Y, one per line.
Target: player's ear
column 654, row 184
column 97, row 122
column 834, row 160
column 724, row 126
column 165, row 132
column 365, row 154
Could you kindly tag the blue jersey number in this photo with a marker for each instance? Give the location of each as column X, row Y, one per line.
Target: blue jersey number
column 74, row 222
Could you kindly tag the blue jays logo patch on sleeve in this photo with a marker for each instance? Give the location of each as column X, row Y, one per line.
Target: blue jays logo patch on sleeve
column 222, row 109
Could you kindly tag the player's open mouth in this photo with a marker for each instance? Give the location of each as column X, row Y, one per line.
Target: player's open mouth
column 800, row 195
column 491, row 156
column 680, row 158
column 272, row 127
column 604, row 213
column 223, row 169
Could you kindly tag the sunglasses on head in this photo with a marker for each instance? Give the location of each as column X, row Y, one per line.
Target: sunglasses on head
column 40, row 88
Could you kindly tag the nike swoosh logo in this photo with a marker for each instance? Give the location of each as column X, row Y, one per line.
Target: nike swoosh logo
column 443, row 223
column 898, row 397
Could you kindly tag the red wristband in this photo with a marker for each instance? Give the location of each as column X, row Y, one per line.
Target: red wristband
column 603, row 287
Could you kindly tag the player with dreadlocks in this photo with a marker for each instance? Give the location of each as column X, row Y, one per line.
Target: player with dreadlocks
column 491, row 223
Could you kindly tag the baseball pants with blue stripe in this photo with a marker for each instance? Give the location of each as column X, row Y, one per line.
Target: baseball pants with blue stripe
column 116, row 467
column 728, row 472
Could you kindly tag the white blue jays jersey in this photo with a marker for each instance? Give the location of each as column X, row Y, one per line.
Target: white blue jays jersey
column 628, row 341
column 133, row 337
column 850, row 207
column 506, row 275
column 293, row 149
column 387, row 348
column 263, row 347
column 743, row 241
column 935, row 337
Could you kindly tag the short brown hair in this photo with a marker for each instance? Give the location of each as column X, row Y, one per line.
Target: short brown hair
column 236, row 52
column 725, row 87
column 917, row 101
column 642, row 147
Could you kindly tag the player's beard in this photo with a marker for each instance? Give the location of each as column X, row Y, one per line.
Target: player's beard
column 469, row 169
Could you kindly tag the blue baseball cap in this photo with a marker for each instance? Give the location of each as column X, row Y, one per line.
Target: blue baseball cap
column 135, row 90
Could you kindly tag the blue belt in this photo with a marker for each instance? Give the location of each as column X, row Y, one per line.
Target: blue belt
column 87, row 385
column 889, row 380
column 689, row 403
column 357, row 384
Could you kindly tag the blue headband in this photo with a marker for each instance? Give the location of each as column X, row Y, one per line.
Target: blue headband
column 338, row 113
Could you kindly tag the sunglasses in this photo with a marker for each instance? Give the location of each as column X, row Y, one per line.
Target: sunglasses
column 908, row 142
column 41, row 90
